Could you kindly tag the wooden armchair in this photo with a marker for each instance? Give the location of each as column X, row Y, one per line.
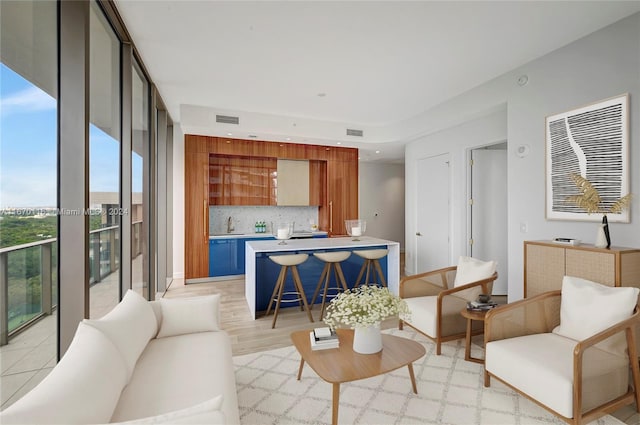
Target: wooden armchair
column 578, row 381
column 435, row 303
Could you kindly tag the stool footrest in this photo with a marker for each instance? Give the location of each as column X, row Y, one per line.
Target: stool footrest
column 289, row 300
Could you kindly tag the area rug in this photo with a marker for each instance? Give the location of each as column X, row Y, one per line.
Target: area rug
column 450, row 391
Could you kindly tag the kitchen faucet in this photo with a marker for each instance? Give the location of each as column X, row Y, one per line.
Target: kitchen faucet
column 229, row 225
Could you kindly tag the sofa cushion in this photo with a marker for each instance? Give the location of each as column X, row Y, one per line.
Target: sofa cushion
column 189, row 315
column 423, row 315
column 471, row 270
column 582, row 298
column 83, row 388
column 177, row 372
column 207, row 412
column 130, row 326
column 541, row 366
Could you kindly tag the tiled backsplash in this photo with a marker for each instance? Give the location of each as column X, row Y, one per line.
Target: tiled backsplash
column 244, row 218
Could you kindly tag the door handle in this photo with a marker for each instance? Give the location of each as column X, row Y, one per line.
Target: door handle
column 205, row 213
column 418, row 234
column 330, row 216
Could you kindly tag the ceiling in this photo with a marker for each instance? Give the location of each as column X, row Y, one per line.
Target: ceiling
column 338, row 65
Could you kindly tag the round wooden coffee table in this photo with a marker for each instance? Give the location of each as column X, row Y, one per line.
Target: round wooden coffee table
column 472, row 315
column 342, row 364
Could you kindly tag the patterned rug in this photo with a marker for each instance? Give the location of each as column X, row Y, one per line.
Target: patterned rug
column 450, row 391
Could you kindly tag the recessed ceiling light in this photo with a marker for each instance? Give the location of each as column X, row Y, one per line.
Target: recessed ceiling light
column 229, row 134
column 288, row 138
column 339, row 143
column 253, row 136
column 377, row 151
column 322, row 94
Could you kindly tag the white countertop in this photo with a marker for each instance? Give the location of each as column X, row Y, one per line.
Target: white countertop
column 312, row 244
column 251, row 235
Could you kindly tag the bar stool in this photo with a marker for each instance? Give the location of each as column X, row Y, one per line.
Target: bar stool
column 332, row 261
column 371, row 257
column 288, row 262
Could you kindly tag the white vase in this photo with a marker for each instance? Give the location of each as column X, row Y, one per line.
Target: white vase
column 367, row 340
column 601, row 238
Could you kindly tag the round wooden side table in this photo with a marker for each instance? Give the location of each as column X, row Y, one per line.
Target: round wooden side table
column 472, row 315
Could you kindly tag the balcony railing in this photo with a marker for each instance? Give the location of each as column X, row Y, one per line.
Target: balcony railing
column 28, row 275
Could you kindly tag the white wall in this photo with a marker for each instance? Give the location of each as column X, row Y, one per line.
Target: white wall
column 178, row 202
column 601, row 65
column 381, row 197
column 489, row 129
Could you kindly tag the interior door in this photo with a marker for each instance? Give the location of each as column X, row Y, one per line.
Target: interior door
column 489, row 209
column 433, row 212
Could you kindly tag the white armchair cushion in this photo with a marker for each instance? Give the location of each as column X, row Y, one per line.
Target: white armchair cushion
column 424, row 315
column 188, row 315
column 83, row 388
column 207, row 412
column 588, row 308
column 541, row 366
column 472, row 270
column 130, row 326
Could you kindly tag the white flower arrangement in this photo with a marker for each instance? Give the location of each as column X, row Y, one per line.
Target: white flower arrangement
column 364, row 306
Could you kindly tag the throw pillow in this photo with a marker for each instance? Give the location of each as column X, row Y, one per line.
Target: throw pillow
column 189, row 315
column 207, row 412
column 130, row 326
column 83, row 388
column 471, row 270
column 588, row 307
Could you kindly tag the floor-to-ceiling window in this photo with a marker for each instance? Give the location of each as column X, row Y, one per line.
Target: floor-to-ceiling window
column 28, row 191
column 139, row 183
column 104, row 164
column 62, row 137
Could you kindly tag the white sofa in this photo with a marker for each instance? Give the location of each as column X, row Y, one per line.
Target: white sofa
column 165, row 361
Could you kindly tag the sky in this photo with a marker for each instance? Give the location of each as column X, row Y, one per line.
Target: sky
column 28, row 148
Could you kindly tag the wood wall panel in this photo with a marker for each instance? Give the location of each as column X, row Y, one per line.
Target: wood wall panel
column 317, row 182
column 196, row 165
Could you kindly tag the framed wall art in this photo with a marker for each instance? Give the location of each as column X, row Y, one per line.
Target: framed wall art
column 592, row 141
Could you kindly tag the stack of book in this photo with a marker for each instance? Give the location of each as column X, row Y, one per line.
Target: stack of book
column 478, row 306
column 323, row 338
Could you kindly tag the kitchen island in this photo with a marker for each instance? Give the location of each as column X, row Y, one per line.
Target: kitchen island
column 261, row 273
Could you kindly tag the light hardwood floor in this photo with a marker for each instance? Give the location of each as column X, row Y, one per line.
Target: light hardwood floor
column 249, row 336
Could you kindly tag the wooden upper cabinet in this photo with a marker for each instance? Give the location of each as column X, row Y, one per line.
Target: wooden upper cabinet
column 247, row 175
column 317, row 182
column 293, row 182
column 241, row 180
column 342, row 195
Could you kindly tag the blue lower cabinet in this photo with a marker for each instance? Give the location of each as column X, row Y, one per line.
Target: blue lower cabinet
column 221, row 257
column 267, row 273
column 322, row 236
column 227, row 255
